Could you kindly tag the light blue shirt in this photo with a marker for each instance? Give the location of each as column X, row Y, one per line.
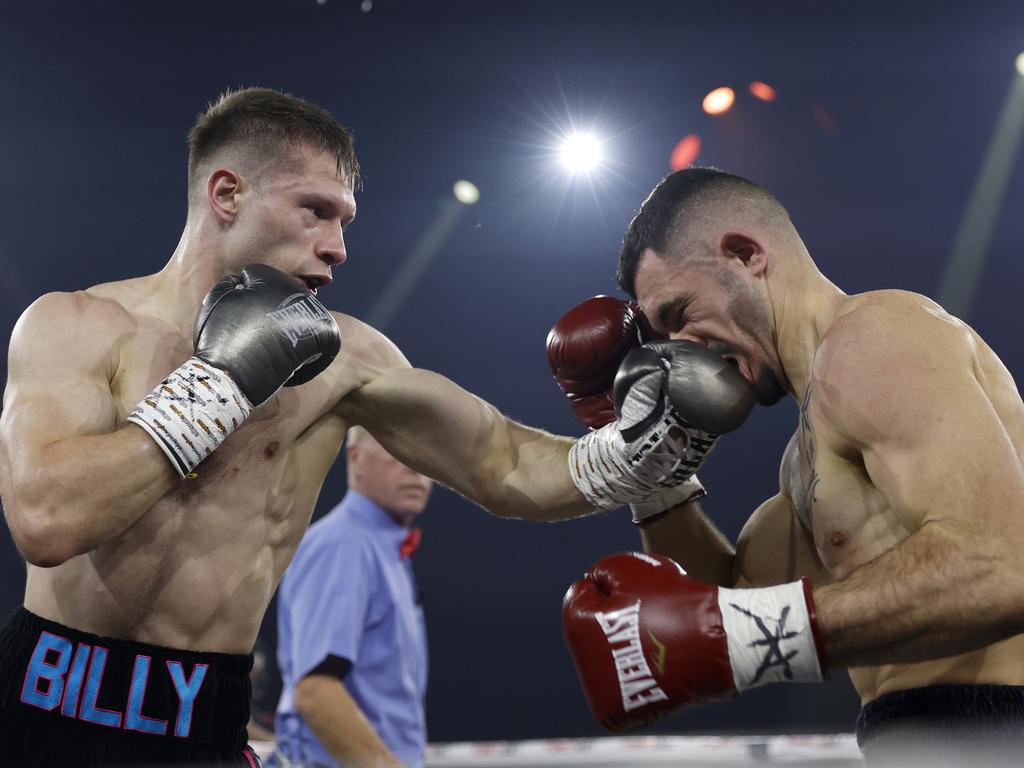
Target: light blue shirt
column 348, row 594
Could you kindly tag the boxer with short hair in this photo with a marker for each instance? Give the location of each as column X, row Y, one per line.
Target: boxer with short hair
column 164, row 439
column 893, row 545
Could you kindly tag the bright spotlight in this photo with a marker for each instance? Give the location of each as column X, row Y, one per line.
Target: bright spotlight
column 466, row 192
column 719, row 101
column 581, row 152
column 1020, row 64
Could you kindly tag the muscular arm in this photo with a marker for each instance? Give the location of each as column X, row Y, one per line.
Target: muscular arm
column 913, row 410
column 443, row 431
column 70, row 480
column 340, row 725
column 688, row 536
column 900, row 608
column 773, row 548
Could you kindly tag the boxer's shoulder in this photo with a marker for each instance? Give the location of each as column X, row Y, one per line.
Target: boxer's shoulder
column 73, row 307
column 889, row 321
column 366, row 355
column 883, row 352
column 874, row 335
column 118, row 305
column 77, row 324
column 366, row 348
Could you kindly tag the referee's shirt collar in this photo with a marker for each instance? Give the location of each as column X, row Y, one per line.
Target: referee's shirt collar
column 368, row 514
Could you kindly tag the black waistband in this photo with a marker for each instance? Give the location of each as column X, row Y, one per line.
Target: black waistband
column 955, row 722
column 120, row 684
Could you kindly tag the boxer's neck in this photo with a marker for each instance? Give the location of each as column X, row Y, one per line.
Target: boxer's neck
column 804, row 305
column 192, row 270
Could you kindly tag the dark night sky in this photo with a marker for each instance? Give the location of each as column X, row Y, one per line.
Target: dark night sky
column 97, row 99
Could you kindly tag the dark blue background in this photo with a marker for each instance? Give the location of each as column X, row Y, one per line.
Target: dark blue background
column 96, row 99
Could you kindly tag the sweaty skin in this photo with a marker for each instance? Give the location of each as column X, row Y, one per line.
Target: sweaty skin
column 829, row 484
column 119, row 546
column 900, row 490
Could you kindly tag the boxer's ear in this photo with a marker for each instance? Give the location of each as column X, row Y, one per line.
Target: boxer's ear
column 222, row 192
column 746, row 250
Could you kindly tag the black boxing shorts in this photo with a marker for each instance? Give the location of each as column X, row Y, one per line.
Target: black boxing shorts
column 944, row 725
column 68, row 698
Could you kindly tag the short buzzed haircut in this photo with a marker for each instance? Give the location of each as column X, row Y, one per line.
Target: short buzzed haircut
column 268, row 124
column 677, row 198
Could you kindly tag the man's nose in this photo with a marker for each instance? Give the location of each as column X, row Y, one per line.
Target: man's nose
column 332, row 250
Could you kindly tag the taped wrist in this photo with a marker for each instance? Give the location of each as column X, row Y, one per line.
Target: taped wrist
column 611, row 473
column 771, row 635
column 191, row 412
column 687, row 491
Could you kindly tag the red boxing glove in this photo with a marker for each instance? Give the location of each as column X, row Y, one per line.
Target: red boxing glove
column 585, row 348
column 647, row 639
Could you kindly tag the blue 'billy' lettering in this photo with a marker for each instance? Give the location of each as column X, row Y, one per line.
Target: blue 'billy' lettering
column 65, row 675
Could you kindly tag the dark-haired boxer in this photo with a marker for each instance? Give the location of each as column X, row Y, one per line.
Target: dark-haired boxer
column 164, row 438
column 901, row 499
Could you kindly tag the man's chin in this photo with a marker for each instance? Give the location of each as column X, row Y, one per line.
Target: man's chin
column 411, row 508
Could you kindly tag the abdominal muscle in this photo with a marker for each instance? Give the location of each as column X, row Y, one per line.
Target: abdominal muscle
column 199, row 569
column 876, row 531
column 853, row 525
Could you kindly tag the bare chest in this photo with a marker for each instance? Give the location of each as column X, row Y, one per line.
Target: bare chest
column 834, row 498
column 256, row 468
column 268, row 433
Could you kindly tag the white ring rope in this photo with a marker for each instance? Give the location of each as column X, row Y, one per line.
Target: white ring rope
column 824, row 750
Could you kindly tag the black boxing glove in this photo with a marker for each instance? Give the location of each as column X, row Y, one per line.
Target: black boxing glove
column 266, row 331
column 672, row 400
column 254, row 333
column 705, row 390
column 585, row 348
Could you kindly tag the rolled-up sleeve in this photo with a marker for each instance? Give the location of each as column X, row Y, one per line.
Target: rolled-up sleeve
column 327, row 592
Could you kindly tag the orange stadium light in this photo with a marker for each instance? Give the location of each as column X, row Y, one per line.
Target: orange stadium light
column 762, row 91
column 719, row 101
column 685, row 152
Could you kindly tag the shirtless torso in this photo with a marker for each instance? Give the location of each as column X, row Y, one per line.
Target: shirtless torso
column 902, row 490
column 157, row 510
column 825, row 485
column 198, row 569
column 831, row 521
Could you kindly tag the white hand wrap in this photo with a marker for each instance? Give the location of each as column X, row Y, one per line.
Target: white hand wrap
column 770, row 635
column 191, row 412
column 688, row 490
column 610, row 472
